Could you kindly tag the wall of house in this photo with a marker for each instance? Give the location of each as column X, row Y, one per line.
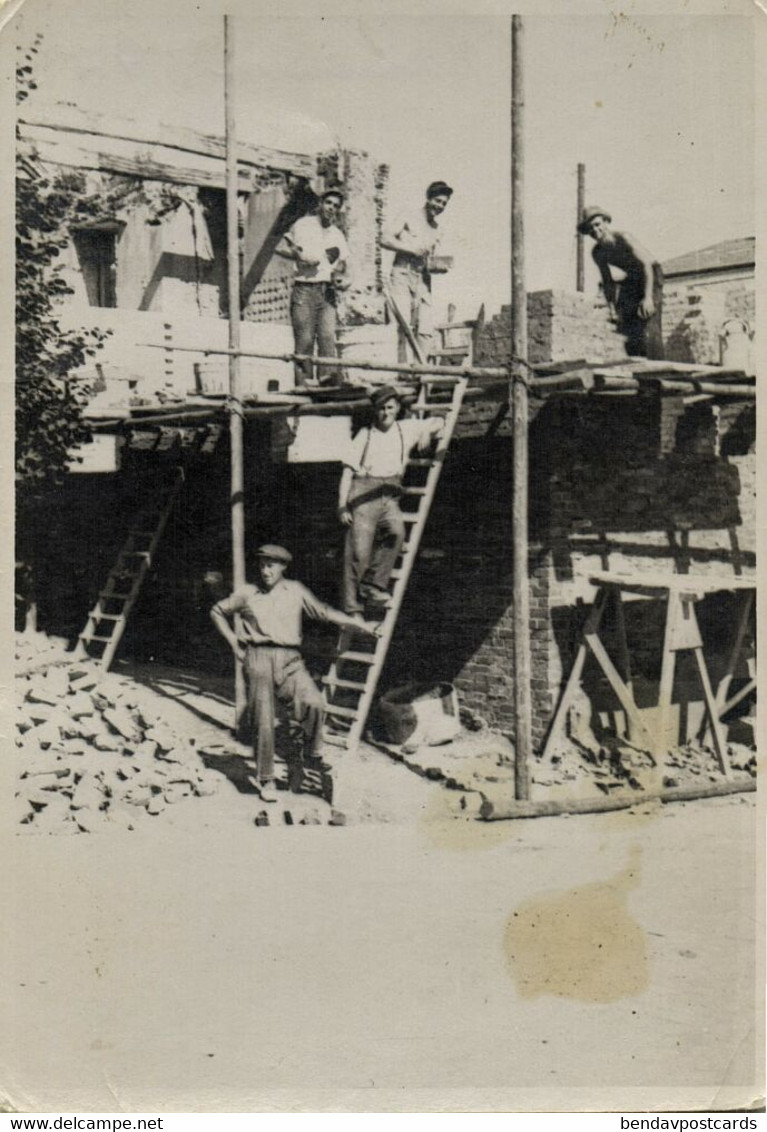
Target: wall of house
column 695, row 309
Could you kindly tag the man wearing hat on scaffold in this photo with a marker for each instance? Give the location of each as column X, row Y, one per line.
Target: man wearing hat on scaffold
column 319, row 250
column 270, row 619
column 635, row 301
column 368, row 499
column 414, row 241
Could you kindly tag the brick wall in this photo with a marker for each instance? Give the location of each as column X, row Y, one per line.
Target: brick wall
column 566, row 326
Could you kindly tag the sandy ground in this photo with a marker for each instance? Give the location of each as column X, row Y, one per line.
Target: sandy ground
column 414, row 959
column 212, row 965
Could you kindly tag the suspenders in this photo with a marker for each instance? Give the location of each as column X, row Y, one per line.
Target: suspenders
column 401, row 445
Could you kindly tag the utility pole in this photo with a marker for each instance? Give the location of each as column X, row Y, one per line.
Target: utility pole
column 518, row 395
column 579, row 280
column 235, row 393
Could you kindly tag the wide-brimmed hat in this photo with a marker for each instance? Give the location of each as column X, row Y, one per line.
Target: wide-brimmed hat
column 383, row 393
column 590, row 214
column 276, row 553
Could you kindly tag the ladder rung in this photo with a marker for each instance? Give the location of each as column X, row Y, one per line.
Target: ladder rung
column 420, row 462
column 343, row 712
column 337, row 682
column 108, row 617
column 358, row 657
column 334, row 739
column 134, row 554
column 415, row 490
column 115, row 596
column 95, row 637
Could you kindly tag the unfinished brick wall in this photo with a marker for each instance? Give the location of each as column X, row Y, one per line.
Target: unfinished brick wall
column 561, row 326
column 566, row 326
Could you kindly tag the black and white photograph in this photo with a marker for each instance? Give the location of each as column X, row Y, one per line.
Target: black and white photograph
column 380, row 706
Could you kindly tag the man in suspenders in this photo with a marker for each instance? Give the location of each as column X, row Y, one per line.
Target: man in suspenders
column 368, row 500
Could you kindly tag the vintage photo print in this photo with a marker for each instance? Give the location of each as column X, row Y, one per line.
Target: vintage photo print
column 380, row 703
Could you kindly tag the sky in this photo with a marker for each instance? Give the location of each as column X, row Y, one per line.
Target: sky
column 659, row 108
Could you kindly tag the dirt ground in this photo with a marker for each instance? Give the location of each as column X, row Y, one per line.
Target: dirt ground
column 415, row 959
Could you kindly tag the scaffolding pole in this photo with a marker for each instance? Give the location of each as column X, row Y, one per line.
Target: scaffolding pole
column 235, row 393
column 519, row 400
column 579, row 274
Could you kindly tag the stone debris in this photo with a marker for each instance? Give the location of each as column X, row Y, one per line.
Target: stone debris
column 87, row 759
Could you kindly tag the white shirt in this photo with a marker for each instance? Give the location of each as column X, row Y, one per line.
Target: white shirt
column 374, row 452
column 315, row 242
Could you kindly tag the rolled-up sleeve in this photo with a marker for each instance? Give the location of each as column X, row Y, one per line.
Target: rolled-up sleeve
column 320, row 610
column 232, row 604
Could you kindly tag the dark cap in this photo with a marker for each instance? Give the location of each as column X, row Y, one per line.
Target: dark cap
column 333, row 193
column 277, row 553
column 589, row 214
column 438, row 189
column 384, row 393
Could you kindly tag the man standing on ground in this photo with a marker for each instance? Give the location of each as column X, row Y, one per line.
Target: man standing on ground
column 269, row 647
column 320, row 252
column 414, row 242
column 368, row 495
column 636, row 301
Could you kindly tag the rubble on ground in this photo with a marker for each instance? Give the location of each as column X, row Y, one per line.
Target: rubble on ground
column 88, row 758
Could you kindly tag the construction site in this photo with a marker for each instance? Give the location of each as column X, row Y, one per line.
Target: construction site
column 569, row 626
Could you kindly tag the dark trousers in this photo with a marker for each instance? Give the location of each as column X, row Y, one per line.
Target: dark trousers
column 272, row 671
column 373, row 541
column 313, row 315
column 644, row 337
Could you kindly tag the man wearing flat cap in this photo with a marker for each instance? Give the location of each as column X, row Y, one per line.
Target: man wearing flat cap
column 270, row 626
column 636, row 300
column 414, row 241
column 319, row 250
column 368, row 499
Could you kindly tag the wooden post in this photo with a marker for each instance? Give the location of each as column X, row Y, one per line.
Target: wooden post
column 579, row 277
column 519, row 376
column 235, row 394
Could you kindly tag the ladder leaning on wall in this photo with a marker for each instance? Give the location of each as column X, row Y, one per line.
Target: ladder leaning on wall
column 108, row 618
column 353, row 677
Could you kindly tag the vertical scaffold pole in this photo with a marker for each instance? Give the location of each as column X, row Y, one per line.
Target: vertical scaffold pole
column 519, row 374
column 235, row 393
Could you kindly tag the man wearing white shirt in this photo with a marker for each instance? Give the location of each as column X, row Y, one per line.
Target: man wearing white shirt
column 414, row 241
column 368, row 499
column 320, row 252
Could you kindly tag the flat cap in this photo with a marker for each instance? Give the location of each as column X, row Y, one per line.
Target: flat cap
column 384, row 393
column 278, row 553
column 438, row 189
column 590, row 214
column 332, row 193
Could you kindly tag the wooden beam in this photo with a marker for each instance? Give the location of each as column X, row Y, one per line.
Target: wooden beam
column 54, row 153
column 85, row 124
column 499, row 809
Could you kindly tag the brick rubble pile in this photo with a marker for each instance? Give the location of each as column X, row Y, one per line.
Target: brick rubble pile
column 88, row 758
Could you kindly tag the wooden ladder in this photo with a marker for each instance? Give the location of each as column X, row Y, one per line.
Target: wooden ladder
column 107, row 620
column 353, row 677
